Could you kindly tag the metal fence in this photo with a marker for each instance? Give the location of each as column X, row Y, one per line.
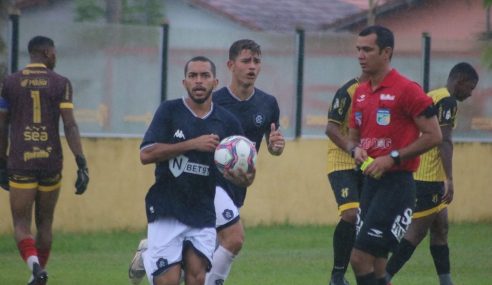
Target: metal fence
column 117, row 72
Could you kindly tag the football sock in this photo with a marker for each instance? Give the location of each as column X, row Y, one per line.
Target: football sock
column 221, row 266
column 27, row 248
column 43, row 254
column 440, row 255
column 382, row 281
column 402, row 254
column 343, row 240
column 368, row 279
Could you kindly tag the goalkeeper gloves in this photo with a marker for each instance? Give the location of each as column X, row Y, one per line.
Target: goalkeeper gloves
column 82, row 175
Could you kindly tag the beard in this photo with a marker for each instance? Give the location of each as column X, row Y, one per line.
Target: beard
column 202, row 99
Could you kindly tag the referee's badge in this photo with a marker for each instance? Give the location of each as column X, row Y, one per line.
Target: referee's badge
column 383, row 117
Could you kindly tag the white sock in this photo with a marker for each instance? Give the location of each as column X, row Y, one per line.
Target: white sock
column 30, row 262
column 221, row 266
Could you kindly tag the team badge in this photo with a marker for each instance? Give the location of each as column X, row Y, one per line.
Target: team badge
column 259, row 119
column 383, row 117
column 162, row 263
column 227, row 214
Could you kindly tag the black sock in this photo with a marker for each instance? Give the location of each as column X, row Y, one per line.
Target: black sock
column 343, row 241
column 382, row 281
column 440, row 254
column 368, row 279
column 402, row 254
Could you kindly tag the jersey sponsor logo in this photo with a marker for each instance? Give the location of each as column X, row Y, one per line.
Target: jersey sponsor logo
column 180, row 164
column 29, row 71
column 358, row 118
column 227, row 214
column 380, row 143
column 35, row 134
column 37, row 153
column 34, row 82
column 383, row 117
column 361, row 98
column 375, row 233
column 179, row 134
column 401, row 224
column 387, row 97
column 259, row 120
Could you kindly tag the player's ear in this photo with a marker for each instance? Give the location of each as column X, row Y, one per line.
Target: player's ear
column 230, row 63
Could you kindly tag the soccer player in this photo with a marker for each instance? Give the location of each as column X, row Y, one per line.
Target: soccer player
column 393, row 122
column 181, row 140
column 344, row 178
column 434, row 179
column 31, row 103
column 258, row 113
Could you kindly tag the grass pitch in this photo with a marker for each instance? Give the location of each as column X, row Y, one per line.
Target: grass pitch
column 278, row 255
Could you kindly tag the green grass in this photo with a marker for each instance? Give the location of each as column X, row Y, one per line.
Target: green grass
column 279, row 255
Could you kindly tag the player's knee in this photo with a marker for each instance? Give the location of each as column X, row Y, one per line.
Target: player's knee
column 233, row 241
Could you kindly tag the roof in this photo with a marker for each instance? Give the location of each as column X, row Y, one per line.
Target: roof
column 289, row 15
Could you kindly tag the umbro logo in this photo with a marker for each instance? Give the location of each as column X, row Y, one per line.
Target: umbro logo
column 375, row 233
column 179, row 134
column 361, row 98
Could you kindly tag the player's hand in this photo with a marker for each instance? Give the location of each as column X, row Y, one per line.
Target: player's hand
column 82, row 175
column 4, row 177
column 240, row 178
column 449, row 191
column 276, row 141
column 379, row 166
column 206, row 143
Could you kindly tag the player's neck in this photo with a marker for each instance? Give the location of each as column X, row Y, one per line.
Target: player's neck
column 200, row 110
column 242, row 91
column 378, row 77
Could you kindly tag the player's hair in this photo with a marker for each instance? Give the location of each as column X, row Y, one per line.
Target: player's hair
column 463, row 69
column 203, row 59
column 243, row 44
column 39, row 44
column 384, row 36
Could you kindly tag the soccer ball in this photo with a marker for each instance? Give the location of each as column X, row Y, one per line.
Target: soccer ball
column 234, row 153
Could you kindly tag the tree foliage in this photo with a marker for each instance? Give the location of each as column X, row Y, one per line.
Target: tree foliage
column 147, row 12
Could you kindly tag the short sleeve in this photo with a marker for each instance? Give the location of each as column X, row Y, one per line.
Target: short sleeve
column 414, row 100
column 158, row 128
column 447, row 109
column 340, row 106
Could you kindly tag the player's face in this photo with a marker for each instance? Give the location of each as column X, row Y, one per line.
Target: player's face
column 246, row 67
column 199, row 81
column 371, row 58
column 464, row 89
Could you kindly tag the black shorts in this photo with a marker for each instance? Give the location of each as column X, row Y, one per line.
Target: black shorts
column 346, row 185
column 429, row 198
column 386, row 208
column 43, row 181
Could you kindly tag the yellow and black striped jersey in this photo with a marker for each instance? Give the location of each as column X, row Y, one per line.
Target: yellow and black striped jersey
column 339, row 113
column 431, row 168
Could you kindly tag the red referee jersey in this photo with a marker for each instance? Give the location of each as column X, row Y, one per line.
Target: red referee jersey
column 384, row 117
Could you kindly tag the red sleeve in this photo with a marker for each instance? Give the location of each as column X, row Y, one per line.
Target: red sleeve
column 414, row 99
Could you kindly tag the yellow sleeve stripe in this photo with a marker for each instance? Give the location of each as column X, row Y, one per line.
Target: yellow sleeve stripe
column 66, row 105
column 348, row 206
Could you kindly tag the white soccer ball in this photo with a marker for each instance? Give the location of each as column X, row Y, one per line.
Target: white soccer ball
column 234, row 153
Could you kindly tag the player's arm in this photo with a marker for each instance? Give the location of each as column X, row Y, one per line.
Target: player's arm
column 447, row 118
column 155, row 152
column 4, row 133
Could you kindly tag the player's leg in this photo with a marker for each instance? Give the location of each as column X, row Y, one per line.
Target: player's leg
column 46, row 200
column 230, row 235
column 199, row 248
column 439, row 247
column 163, row 257
column 136, row 270
column 346, row 186
column 428, row 200
column 22, row 196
